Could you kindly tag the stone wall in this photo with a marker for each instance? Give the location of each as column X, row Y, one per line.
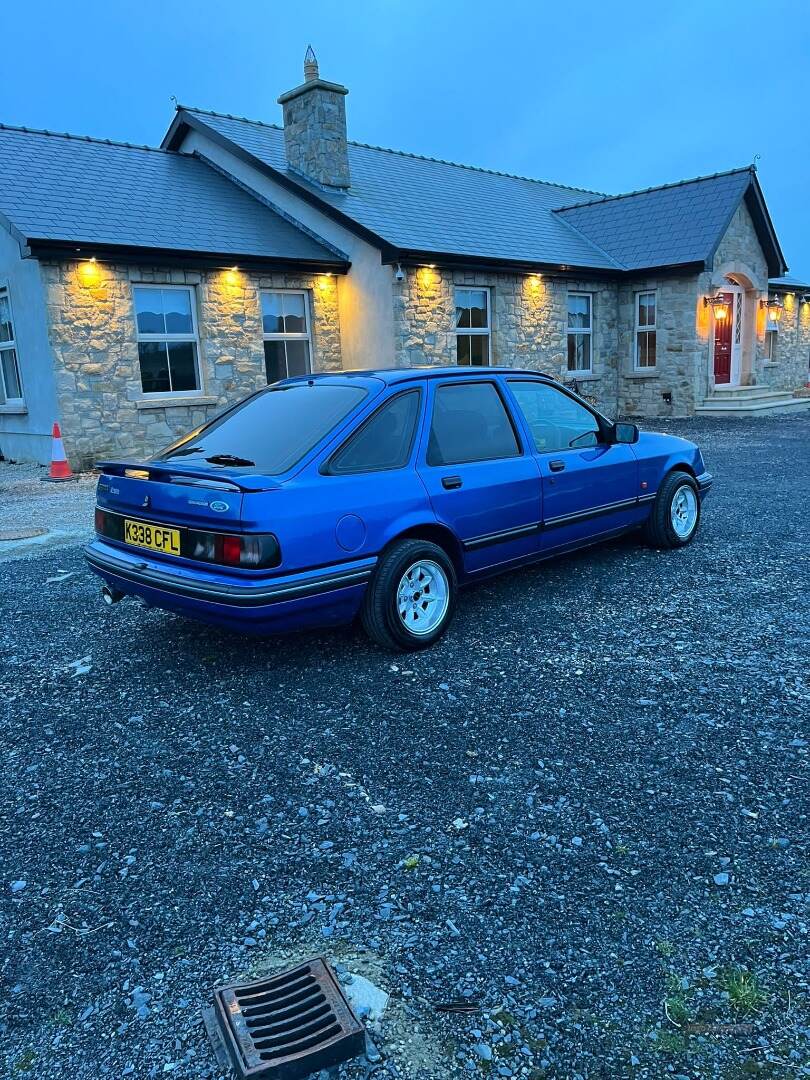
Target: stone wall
column 92, row 330
column 740, row 259
column 791, row 370
column 668, row 389
column 528, row 317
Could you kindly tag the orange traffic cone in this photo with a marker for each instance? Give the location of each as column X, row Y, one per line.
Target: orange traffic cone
column 60, row 469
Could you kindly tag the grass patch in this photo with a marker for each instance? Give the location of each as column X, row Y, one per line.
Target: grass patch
column 665, row 948
column 743, row 989
column 25, row 1062
column 676, row 1004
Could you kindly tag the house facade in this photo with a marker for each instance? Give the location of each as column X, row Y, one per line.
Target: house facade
column 143, row 289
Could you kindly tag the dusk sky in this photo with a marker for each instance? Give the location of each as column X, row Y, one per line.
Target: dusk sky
column 598, row 95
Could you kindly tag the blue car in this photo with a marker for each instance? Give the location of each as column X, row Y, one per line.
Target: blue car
column 378, row 494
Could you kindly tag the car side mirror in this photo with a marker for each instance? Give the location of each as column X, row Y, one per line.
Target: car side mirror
column 625, row 433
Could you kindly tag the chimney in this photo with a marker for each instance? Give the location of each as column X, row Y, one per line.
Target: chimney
column 315, row 128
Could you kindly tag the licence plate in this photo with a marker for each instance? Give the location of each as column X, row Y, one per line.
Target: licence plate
column 144, row 534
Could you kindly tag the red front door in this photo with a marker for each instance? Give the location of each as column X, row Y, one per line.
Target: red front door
column 722, row 342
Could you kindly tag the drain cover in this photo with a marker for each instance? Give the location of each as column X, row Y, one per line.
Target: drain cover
column 284, row 1027
column 20, row 534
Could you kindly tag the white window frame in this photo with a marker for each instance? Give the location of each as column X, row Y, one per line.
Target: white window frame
column 306, row 336
column 475, row 331
column 194, row 337
column 643, row 329
column 571, row 330
column 772, row 344
column 7, row 346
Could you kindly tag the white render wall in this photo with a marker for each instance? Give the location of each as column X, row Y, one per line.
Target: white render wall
column 25, row 434
column 365, row 294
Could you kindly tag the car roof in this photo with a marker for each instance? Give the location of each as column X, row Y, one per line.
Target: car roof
column 407, row 374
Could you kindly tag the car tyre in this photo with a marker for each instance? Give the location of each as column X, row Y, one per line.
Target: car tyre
column 411, row 597
column 675, row 515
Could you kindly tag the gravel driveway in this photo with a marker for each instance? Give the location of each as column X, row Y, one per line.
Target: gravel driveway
column 585, row 811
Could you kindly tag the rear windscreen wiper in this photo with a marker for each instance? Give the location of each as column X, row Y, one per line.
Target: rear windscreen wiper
column 229, row 459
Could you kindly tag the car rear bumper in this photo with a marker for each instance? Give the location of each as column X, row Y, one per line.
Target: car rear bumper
column 261, row 603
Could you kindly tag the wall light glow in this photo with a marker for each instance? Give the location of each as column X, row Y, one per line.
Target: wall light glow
column 89, row 273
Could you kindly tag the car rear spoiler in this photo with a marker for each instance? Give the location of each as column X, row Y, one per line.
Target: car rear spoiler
column 222, row 480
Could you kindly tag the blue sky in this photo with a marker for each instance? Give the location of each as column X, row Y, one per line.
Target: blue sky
column 589, row 94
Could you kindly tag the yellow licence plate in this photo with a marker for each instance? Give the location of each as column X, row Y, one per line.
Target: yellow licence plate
column 155, row 537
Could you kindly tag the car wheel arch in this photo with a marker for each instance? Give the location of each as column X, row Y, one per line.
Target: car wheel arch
column 438, row 534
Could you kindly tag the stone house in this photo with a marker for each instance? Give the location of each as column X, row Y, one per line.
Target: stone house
column 142, row 289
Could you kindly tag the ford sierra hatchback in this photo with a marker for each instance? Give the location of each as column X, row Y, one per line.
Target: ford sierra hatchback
column 378, row 494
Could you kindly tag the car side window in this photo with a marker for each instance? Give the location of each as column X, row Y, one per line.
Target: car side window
column 384, row 441
column 556, row 421
column 470, row 423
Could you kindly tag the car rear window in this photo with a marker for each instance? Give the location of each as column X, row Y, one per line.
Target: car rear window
column 384, row 441
column 470, row 423
column 271, row 431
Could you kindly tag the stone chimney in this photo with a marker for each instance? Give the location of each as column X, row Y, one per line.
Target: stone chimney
column 315, row 128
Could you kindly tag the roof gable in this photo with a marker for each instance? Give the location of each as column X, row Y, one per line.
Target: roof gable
column 676, row 224
column 419, row 205
column 66, row 190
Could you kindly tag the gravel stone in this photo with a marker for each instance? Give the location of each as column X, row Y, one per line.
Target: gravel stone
column 636, row 700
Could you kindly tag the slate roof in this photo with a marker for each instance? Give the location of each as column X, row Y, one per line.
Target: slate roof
column 64, row 189
column 675, row 224
column 423, row 206
column 790, row 281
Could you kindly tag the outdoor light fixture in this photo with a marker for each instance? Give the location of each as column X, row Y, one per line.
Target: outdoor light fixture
column 774, row 307
column 805, row 298
column 89, row 272
column 719, row 306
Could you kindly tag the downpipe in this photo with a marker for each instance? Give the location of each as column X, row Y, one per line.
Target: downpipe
column 110, row 596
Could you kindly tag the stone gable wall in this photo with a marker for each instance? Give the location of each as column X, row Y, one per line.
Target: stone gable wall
column 529, row 320
column 93, row 336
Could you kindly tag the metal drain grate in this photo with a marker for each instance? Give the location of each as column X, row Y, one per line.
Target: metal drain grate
column 285, row 1027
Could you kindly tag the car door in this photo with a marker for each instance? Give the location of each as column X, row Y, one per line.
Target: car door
column 590, row 484
column 482, row 481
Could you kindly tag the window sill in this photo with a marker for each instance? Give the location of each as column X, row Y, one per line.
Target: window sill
column 651, row 374
column 770, row 364
column 581, row 376
column 175, row 402
column 13, row 410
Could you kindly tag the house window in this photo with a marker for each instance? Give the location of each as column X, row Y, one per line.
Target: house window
column 472, row 327
column 646, row 315
column 287, row 340
column 10, row 385
column 167, row 339
column 580, row 330
column 771, row 339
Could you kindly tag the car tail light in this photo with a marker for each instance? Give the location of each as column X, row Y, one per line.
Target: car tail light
column 250, row 551
column 255, row 551
column 231, row 550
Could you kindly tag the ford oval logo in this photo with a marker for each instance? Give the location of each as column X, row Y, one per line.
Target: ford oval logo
column 220, row 507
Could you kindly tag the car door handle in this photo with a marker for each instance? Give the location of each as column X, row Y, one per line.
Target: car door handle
column 556, row 466
column 451, row 482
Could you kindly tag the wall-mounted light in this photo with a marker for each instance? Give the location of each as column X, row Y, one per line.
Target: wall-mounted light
column 719, row 306
column 325, row 281
column 89, row 273
column 774, row 307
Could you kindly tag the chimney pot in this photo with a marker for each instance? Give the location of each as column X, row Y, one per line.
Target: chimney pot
column 310, row 65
